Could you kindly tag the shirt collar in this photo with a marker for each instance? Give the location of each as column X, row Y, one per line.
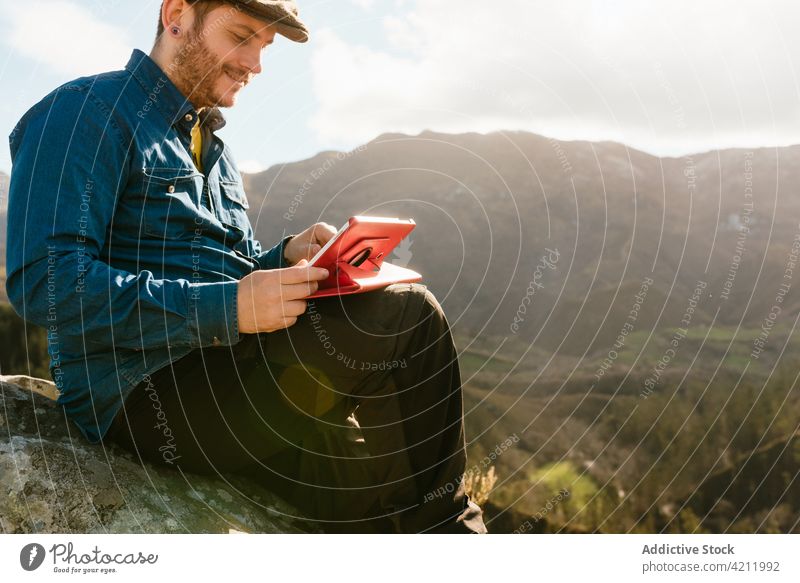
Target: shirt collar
column 166, row 97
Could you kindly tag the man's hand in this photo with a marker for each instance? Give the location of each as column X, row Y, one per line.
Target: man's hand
column 269, row 300
column 308, row 243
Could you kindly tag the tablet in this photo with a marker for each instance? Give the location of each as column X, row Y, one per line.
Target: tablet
column 356, row 255
column 384, row 232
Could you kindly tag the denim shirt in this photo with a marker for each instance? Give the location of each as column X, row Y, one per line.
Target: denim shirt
column 118, row 246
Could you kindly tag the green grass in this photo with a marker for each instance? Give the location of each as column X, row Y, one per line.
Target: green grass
column 564, row 475
column 471, row 362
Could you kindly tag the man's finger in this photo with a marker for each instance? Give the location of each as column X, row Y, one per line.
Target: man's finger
column 302, row 272
column 323, row 232
column 296, row 291
column 293, row 308
column 313, row 249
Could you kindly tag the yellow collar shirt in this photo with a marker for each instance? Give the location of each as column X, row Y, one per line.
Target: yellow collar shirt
column 197, row 145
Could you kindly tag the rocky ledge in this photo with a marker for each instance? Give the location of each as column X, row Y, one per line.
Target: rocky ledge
column 53, row 481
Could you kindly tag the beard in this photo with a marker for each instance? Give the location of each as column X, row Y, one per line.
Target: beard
column 198, row 70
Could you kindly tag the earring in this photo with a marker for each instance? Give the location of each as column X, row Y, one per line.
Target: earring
column 176, row 30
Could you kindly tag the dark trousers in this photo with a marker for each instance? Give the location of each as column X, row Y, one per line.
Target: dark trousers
column 354, row 414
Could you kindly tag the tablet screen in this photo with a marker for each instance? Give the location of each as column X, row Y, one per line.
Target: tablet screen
column 328, row 245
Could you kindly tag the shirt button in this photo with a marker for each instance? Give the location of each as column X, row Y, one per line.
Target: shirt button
column 171, row 188
column 216, row 341
column 188, row 117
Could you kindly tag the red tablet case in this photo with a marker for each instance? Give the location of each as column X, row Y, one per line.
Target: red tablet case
column 351, row 272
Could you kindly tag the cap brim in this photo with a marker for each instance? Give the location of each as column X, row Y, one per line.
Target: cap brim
column 299, row 35
column 286, row 23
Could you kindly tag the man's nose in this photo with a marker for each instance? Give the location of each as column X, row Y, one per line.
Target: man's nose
column 252, row 62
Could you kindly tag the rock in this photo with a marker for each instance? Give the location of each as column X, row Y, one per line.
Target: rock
column 53, row 481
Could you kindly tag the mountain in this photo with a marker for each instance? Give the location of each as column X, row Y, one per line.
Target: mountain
column 489, row 207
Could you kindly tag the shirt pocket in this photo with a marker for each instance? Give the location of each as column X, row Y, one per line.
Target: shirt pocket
column 235, row 204
column 171, row 202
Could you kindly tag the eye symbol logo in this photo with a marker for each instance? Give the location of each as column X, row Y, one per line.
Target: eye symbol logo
column 31, row 556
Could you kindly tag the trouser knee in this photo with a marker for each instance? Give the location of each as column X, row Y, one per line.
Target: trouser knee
column 422, row 301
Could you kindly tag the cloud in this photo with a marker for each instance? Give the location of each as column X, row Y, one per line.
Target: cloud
column 251, row 166
column 365, row 4
column 71, row 40
column 667, row 76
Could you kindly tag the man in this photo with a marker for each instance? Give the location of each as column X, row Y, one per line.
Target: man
column 172, row 333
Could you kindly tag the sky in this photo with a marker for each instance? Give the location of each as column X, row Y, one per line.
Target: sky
column 668, row 77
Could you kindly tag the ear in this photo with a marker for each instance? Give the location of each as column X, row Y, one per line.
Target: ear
column 171, row 13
